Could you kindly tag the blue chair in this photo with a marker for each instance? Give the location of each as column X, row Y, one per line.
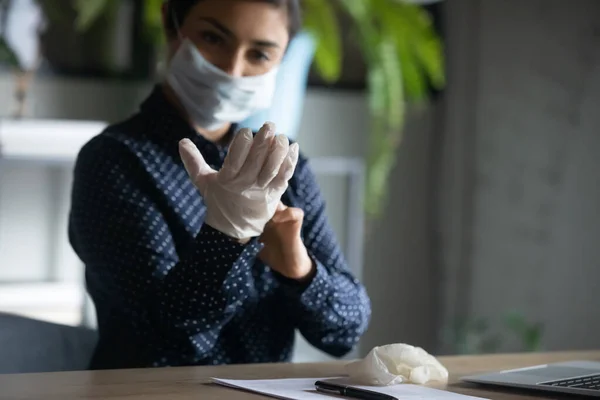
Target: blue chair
column 291, row 88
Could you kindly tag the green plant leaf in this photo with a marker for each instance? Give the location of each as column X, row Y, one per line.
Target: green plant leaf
column 7, row 55
column 359, row 10
column 377, row 93
column 387, row 114
column 378, row 171
column 54, row 10
column 431, row 56
column 413, row 76
column 153, row 21
column 390, row 35
column 321, row 21
column 529, row 333
column 394, row 84
column 406, row 34
column 533, row 338
column 88, row 12
column 386, row 102
column 425, row 44
column 516, row 323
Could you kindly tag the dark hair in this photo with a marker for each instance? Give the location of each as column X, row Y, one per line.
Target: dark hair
column 177, row 10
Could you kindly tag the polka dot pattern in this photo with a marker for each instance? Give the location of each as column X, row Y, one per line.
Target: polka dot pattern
column 170, row 291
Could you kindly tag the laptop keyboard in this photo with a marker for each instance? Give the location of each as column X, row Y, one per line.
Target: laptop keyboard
column 591, row 382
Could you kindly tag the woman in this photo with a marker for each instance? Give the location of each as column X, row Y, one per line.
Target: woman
column 222, row 267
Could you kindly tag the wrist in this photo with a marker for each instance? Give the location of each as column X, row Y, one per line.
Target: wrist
column 241, row 233
column 305, row 269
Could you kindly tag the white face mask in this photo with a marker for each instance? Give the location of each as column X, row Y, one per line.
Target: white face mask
column 213, row 98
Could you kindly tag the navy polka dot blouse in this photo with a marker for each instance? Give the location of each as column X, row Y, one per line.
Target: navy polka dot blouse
column 170, row 291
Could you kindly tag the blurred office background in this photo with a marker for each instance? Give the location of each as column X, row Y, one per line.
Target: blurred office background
column 488, row 239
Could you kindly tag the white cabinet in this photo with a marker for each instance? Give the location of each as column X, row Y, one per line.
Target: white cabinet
column 40, row 276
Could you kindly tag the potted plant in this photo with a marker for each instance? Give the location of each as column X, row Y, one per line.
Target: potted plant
column 478, row 336
column 404, row 57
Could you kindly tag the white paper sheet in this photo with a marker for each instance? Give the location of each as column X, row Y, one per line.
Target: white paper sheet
column 304, row 389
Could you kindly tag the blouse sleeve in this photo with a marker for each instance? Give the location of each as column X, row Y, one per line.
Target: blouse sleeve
column 133, row 265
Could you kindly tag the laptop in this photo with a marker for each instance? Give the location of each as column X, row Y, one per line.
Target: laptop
column 574, row 377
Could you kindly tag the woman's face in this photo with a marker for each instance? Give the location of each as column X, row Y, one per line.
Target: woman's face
column 241, row 37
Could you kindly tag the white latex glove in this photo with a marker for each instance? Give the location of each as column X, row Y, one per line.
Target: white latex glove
column 396, row 363
column 243, row 195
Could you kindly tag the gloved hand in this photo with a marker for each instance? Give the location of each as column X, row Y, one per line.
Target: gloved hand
column 243, row 195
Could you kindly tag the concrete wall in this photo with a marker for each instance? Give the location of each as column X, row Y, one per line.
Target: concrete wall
column 520, row 173
column 399, row 261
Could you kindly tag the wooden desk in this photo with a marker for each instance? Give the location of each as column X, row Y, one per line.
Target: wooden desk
column 191, row 383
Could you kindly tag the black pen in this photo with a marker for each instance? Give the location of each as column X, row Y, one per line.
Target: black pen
column 349, row 391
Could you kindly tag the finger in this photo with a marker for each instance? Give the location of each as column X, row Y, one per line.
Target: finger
column 290, row 214
column 257, row 155
column 194, row 163
column 279, row 183
column 280, row 207
column 265, row 133
column 275, row 158
column 237, row 154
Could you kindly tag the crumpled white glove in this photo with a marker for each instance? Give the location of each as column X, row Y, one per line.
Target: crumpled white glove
column 243, row 195
column 396, row 363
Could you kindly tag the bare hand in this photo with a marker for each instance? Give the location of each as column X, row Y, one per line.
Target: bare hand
column 284, row 250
